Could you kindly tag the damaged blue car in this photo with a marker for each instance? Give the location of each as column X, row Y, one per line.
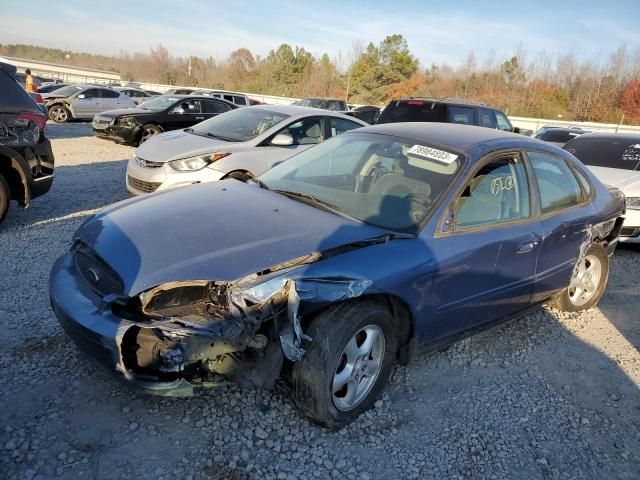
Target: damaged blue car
column 333, row 266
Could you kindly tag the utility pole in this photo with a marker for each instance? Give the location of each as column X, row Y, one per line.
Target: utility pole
column 346, row 98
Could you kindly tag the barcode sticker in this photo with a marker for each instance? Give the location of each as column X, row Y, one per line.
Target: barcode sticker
column 433, row 154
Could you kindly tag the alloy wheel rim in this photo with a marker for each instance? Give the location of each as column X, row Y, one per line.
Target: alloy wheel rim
column 147, row 133
column 585, row 281
column 59, row 114
column 358, row 368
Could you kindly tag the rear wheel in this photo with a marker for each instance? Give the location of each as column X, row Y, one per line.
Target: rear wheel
column 149, row 131
column 347, row 364
column 5, row 197
column 588, row 281
column 59, row 113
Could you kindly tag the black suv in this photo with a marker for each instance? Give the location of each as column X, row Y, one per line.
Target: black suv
column 445, row 110
column 26, row 159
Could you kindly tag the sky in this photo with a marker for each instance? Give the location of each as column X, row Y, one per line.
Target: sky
column 436, row 31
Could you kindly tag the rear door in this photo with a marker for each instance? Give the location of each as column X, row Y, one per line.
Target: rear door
column 487, row 248
column 110, row 100
column 566, row 213
column 212, row 108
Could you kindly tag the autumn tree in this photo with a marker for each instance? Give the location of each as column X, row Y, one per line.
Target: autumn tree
column 630, row 99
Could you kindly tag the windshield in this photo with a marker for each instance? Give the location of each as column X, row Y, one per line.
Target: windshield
column 386, row 181
column 621, row 152
column 239, row 125
column 68, row 90
column 159, row 103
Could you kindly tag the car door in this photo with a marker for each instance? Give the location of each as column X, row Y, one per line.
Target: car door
column 487, row 247
column 304, row 133
column 212, row 108
column 87, row 103
column 565, row 219
column 110, row 100
column 185, row 114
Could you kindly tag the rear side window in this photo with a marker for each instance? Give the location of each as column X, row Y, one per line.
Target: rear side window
column 413, row 111
column 621, row 152
column 91, row 93
column 461, row 115
column 334, row 106
column 211, row 106
column 558, row 186
column 340, row 125
column 109, row 94
column 239, row 100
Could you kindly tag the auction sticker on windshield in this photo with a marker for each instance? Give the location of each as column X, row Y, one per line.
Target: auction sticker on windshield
column 432, row 154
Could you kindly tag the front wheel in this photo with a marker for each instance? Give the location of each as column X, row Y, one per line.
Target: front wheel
column 59, row 113
column 347, row 364
column 588, row 281
column 149, row 131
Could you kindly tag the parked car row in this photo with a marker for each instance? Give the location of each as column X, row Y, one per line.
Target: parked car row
column 307, row 244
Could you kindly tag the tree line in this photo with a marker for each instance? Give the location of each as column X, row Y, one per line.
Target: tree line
column 541, row 86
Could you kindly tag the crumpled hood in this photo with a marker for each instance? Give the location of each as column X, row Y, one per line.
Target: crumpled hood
column 123, row 111
column 213, row 231
column 626, row 180
column 180, row 144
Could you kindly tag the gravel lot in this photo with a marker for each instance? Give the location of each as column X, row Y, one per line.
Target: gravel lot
column 549, row 395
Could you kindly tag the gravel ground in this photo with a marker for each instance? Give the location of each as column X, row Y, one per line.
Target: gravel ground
column 549, row 395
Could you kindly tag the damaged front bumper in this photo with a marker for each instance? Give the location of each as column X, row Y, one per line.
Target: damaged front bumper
column 168, row 356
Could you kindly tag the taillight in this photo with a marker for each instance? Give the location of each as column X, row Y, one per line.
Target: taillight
column 39, row 99
column 39, row 118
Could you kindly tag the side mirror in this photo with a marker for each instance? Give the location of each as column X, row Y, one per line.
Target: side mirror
column 515, row 129
column 82, row 95
column 177, row 111
column 282, row 140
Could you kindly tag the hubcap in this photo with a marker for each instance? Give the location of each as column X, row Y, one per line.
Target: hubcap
column 358, row 368
column 585, row 281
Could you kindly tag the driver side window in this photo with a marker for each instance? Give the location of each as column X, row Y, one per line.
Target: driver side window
column 305, row 132
column 497, row 193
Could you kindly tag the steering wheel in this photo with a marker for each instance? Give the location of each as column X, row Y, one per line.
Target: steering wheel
column 422, row 202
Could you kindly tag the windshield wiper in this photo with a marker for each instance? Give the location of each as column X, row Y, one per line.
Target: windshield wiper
column 260, row 183
column 309, row 198
column 226, row 139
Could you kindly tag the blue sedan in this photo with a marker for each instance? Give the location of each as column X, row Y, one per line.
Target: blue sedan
column 336, row 264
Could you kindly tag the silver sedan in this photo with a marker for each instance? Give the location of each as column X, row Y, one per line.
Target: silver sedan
column 238, row 144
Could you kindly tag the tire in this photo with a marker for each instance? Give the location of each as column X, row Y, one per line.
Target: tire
column 59, row 113
column 584, row 292
column 241, row 176
column 5, row 198
column 149, row 131
column 316, row 377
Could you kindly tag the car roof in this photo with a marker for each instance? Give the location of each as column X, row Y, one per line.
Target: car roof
column 299, row 110
column 611, row 136
column 459, row 137
column 447, row 100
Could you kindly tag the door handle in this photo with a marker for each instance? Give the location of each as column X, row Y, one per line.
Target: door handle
column 199, row 118
column 527, row 246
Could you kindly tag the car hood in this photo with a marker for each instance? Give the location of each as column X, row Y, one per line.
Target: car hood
column 214, row 231
column 626, row 180
column 180, row 144
column 118, row 112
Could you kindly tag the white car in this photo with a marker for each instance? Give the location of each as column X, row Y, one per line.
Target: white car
column 238, row 144
column 614, row 158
